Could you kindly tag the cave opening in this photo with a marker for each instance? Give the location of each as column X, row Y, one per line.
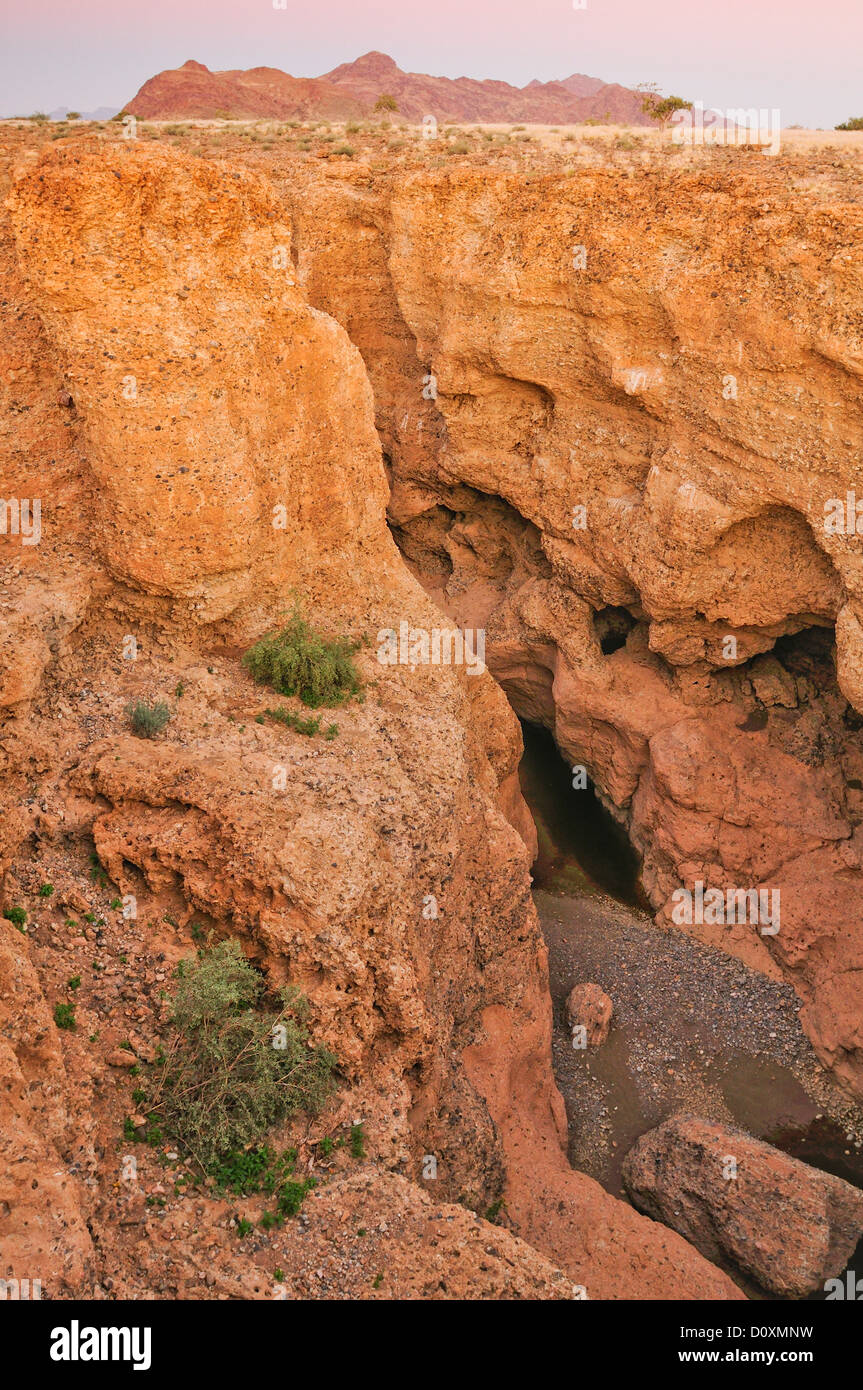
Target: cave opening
column 581, row 845
column 612, row 627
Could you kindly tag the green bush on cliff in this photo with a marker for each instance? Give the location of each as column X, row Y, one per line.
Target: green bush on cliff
column 148, row 720
column 232, row 1068
column 299, row 661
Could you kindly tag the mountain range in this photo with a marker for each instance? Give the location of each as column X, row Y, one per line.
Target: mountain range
column 352, row 89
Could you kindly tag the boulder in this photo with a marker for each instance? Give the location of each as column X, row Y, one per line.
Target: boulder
column 589, row 1007
column 745, row 1205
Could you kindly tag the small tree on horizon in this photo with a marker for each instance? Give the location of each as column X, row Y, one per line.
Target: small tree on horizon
column 658, row 107
column 853, row 123
column 386, row 102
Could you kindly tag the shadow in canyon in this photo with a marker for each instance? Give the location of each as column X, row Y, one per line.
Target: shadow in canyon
column 694, row 1029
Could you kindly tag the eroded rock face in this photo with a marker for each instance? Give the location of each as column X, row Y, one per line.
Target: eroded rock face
column 746, row 1205
column 617, row 412
column 171, row 279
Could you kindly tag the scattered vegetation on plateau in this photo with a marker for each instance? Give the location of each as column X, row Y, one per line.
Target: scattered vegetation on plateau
column 148, row 720
column 232, row 1067
column 299, row 661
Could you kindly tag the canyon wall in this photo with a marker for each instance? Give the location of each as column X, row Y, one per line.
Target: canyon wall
column 203, row 447
column 621, row 416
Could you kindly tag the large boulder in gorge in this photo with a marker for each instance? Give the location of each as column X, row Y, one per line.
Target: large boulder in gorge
column 589, row 1007
column 744, row 1204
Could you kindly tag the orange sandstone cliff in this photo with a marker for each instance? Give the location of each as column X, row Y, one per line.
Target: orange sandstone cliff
column 620, row 410
column 203, row 446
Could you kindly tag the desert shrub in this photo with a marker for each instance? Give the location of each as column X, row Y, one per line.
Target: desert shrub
column 386, row 102
column 347, row 150
column 148, row 720
column 286, row 716
column 231, row 1068
column 853, row 123
column 299, row 661
column 64, row 1015
column 16, row 915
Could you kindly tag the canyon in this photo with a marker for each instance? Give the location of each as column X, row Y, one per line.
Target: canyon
column 595, row 412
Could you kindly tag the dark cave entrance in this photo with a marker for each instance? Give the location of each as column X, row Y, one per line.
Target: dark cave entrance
column 581, row 846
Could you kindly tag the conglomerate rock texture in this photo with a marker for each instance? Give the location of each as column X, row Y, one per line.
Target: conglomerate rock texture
column 621, row 415
column 203, row 446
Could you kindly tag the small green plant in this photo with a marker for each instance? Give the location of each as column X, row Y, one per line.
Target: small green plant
column 358, row 1149
column 326, row 1145
column 64, row 1016
column 377, row 1281
column 46, row 890
column 74, row 983
column 179, row 690
column 292, row 1196
column 244, row 1227
column 148, row 720
column 233, row 1068
column 299, row 661
column 116, row 904
column 285, row 716
column 279, row 1275
column 16, row 915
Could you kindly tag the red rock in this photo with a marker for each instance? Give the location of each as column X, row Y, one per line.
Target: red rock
column 745, row 1205
column 589, row 1007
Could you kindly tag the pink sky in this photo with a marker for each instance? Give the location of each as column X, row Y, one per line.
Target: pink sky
column 803, row 56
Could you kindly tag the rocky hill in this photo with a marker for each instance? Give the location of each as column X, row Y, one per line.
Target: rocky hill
column 352, row 89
